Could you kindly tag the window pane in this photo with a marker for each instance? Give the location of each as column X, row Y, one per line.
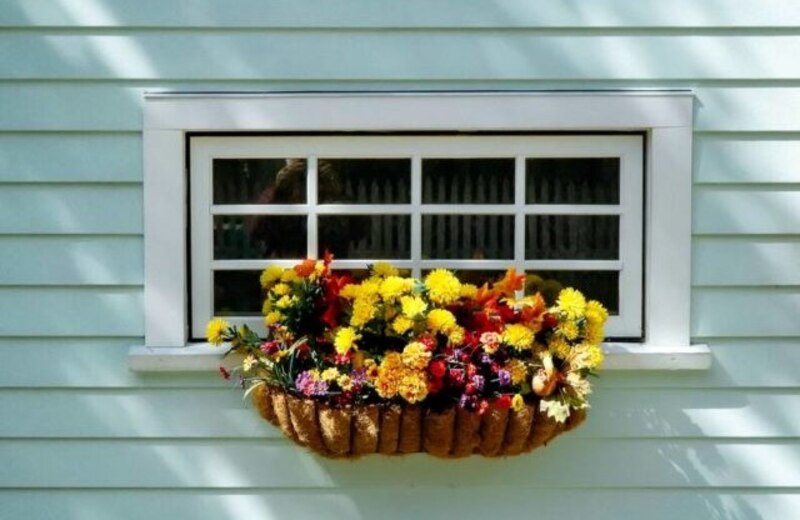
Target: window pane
column 365, row 236
column 572, row 237
column 468, row 181
column 602, row 286
column 237, row 293
column 467, row 236
column 257, row 237
column 364, row 181
column 572, row 181
column 474, row 276
column 259, row 181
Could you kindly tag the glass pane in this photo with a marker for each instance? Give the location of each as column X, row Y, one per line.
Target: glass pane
column 572, row 181
column 467, row 236
column 364, row 181
column 602, row 286
column 249, row 236
column 474, row 276
column 237, row 293
column 365, row 236
column 572, row 237
column 468, row 181
column 259, row 181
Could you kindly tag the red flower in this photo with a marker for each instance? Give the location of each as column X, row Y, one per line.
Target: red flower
column 224, row 373
column 549, row 321
column 435, row 386
column 305, row 268
column 504, row 401
column 429, row 342
column 438, row 369
column 456, row 376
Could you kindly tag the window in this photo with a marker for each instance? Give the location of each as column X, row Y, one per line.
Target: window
column 564, row 209
column 626, row 235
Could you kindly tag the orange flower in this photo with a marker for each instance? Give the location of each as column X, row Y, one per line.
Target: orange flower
column 306, row 268
column 511, row 282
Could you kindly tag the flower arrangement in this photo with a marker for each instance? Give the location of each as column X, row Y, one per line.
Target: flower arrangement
column 460, row 369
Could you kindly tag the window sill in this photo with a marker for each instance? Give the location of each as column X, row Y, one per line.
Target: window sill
column 201, row 357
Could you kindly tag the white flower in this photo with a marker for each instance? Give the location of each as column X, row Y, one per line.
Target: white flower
column 555, row 409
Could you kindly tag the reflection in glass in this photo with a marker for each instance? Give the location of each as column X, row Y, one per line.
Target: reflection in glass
column 572, row 181
column 365, row 236
column 467, row 236
column 468, row 181
column 257, row 237
column 364, row 181
column 259, row 181
column 237, row 293
column 572, row 237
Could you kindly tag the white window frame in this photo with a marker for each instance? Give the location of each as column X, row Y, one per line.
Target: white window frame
column 627, row 148
column 664, row 116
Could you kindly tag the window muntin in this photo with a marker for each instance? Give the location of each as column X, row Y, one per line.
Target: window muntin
column 563, row 209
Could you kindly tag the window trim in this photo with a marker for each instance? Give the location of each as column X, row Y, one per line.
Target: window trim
column 665, row 117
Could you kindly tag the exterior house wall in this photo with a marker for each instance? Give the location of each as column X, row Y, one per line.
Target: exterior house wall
column 83, row 437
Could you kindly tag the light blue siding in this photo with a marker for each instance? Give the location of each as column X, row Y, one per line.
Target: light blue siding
column 84, row 438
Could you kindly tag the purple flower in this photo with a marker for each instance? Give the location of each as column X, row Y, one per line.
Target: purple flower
column 486, row 359
column 308, row 384
column 504, row 377
column 478, row 381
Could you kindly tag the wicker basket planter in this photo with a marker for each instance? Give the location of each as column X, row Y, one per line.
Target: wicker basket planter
column 394, row 429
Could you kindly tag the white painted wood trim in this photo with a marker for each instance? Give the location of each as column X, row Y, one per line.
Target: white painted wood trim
column 203, row 357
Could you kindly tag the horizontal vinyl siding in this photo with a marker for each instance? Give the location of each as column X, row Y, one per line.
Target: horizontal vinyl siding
column 87, row 438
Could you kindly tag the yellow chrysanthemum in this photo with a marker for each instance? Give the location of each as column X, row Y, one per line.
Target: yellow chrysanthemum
column 413, row 306
column 569, row 329
column 441, row 320
column 345, row 382
column 468, row 290
column 370, row 369
column 383, row 269
column 594, row 356
column 517, row 403
column 595, row 313
column 281, row 289
column 443, row 287
column 392, row 287
column 330, row 374
column 401, row 324
column 363, row 311
column 350, row 291
column 289, row 276
column 285, row 301
column 270, row 275
column 572, row 303
column 413, row 386
column 345, row 340
column 456, row 336
column 518, row 371
column 266, row 307
column 392, row 361
column 358, row 360
column 593, row 333
column 273, row 317
column 415, row 355
column 215, row 330
column 558, row 347
column 370, row 288
column 518, row 336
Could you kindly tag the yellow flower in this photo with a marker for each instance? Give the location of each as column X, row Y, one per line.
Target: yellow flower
column 392, row 360
column 392, row 287
column 215, row 330
column 413, row 386
column 272, row 318
column 270, row 275
column 596, row 314
column 370, row 369
column 383, row 269
column 517, row 403
column 491, row 342
column 266, row 307
column 518, row 336
column 441, row 320
column 289, row 276
column 345, row 382
column 350, row 291
column 558, row 347
column 330, row 374
column 285, row 301
column 401, row 324
column 281, row 289
column 248, row 363
column 572, row 303
column 370, row 288
column 594, row 356
column 413, row 306
column 468, row 291
column 443, row 287
column 415, row 355
column 518, row 371
column 363, row 311
column 456, row 336
column 569, row 329
column 345, row 340
column 594, row 333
